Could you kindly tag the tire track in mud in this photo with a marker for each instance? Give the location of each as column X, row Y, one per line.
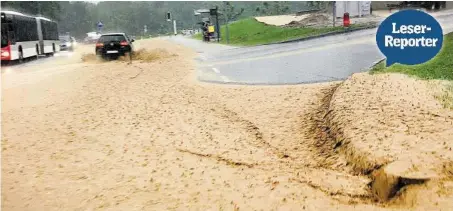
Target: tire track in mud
column 325, row 158
column 252, row 129
column 324, row 143
column 218, row 158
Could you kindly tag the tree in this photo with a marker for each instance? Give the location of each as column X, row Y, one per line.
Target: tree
column 274, row 8
column 228, row 10
column 318, row 5
column 229, row 14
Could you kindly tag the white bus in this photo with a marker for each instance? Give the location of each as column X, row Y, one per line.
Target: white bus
column 25, row 36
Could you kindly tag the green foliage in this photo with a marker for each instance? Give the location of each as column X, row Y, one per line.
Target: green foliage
column 228, row 10
column 78, row 17
column 440, row 67
column 317, row 4
column 273, row 8
column 251, row 32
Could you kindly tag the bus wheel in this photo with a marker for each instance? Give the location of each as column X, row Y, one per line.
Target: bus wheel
column 37, row 52
column 21, row 56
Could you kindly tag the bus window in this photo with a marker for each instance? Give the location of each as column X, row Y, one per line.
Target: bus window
column 4, row 35
column 11, row 34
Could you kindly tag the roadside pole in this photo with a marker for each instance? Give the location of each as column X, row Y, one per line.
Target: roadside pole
column 145, row 30
column 217, row 26
column 227, row 32
column 174, row 27
column 334, row 12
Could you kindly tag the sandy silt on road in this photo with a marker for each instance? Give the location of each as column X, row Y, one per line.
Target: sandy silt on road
column 147, row 136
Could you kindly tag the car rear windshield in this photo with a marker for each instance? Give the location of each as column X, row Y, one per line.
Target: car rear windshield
column 110, row 38
column 64, row 39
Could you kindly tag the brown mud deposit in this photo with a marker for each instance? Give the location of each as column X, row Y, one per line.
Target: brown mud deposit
column 148, row 136
column 396, row 132
column 142, row 55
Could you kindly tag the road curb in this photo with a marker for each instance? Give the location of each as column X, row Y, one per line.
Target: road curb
column 323, row 35
column 375, row 63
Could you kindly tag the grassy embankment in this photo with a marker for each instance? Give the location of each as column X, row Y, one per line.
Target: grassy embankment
column 440, row 67
column 248, row 32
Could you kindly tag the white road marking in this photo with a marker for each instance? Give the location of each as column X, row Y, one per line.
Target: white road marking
column 216, row 70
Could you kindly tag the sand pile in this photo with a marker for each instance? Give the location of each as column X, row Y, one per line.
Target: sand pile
column 280, row 20
column 311, row 20
column 393, row 126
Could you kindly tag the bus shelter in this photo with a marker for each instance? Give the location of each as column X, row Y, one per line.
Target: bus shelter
column 209, row 23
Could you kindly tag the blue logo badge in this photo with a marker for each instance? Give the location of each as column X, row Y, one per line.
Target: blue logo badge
column 409, row 37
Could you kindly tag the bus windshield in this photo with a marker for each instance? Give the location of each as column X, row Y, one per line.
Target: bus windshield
column 4, row 35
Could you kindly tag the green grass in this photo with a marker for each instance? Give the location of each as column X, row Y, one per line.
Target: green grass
column 446, row 97
column 248, row 32
column 440, row 67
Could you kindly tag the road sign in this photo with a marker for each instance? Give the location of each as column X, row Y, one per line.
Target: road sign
column 100, row 25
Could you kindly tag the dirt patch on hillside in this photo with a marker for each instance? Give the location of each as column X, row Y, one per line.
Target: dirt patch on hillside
column 317, row 20
column 280, row 20
column 396, row 131
column 310, row 20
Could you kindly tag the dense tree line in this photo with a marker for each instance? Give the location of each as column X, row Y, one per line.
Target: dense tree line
column 78, row 18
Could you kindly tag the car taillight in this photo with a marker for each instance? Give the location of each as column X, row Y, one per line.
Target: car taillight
column 123, row 43
column 99, row 44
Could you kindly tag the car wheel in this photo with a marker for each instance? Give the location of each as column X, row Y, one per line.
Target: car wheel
column 105, row 57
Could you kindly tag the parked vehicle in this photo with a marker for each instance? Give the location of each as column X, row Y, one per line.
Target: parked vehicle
column 67, row 43
column 92, row 37
column 113, row 45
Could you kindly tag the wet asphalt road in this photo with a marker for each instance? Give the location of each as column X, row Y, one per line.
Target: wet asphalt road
column 319, row 60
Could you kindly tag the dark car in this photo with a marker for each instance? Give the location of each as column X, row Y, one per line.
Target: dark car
column 113, row 45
